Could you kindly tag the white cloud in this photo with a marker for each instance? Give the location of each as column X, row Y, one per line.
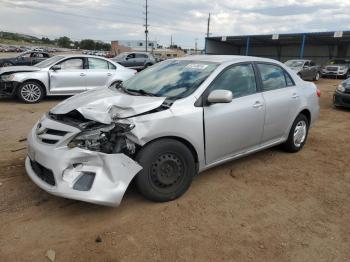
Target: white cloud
column 184, row 19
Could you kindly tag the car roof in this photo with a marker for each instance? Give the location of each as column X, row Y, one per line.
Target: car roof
column 225, row 58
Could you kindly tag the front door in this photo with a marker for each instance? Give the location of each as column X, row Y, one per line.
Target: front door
column 235, row 127
column 70, row 79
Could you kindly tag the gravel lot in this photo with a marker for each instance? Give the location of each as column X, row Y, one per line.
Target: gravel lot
column 271, row 206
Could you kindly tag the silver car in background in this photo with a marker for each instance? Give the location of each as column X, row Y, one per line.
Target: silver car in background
column 166, row 124
column 60, row 75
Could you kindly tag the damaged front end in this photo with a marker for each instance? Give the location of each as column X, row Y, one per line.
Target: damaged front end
column 81, row 159
column 87, row 146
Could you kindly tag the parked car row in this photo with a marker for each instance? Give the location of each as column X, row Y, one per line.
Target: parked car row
column 308, row 70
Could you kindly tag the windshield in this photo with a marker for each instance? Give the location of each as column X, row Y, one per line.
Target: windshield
column 294, row 63
column 172, row 79
column 338, row 62
column 49, row 62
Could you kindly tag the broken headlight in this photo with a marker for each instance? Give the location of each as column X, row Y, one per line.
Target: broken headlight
column 91, row 138
column 105, row 138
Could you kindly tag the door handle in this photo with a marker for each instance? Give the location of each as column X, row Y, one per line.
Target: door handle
column 258, row 104
column 82, row 74
column 295, row 96
column 109, row 74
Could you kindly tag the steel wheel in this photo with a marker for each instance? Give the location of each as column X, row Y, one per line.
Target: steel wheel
column 167, row 171
column 300, row 132
column 30, row 92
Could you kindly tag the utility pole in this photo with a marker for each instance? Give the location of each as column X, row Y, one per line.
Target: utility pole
column 171, row 41
column 195, row 45
column 146, row 25
column 208, row 26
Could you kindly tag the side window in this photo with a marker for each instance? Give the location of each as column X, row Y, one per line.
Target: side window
column 240, row 80
column 307, row 64
column 131, row 56
column 273, row 77
column 73, row 63
column 289, row 80
column 312, row 63
column 95, row 63
column 111, row 66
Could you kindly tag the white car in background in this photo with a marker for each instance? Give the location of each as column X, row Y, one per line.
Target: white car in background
column 61, row 75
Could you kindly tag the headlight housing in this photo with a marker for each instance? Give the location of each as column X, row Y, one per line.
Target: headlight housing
column 341, row 88
column 7, row 78
column 342, row 68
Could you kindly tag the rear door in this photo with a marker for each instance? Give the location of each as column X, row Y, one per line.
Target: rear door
column 281, row 98
column 99, row 72
column 236, row 127
column 70, row 79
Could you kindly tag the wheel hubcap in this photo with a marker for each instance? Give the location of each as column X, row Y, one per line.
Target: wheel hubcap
column 167, row 171
column 299, row 133
column 30, row 92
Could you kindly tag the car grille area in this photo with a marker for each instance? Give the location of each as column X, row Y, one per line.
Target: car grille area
column 332, row 68
column 43, row 173
column 51, row 136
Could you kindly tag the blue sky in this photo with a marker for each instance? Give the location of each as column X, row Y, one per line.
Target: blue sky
column 185, row 20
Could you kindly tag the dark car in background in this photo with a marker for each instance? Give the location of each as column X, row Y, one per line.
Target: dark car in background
column 341, row 97
column 25, row 58
column 338, row 67
column 306, row 69
column 135, row 60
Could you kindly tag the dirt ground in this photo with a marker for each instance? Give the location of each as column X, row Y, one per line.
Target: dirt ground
column 271, row 206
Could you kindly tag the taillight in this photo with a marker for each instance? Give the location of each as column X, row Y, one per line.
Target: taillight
column 318, row 92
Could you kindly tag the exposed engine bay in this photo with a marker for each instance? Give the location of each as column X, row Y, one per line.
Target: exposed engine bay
column 95, row 136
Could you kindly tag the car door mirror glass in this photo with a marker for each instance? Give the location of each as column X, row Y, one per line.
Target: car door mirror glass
column 220, row 96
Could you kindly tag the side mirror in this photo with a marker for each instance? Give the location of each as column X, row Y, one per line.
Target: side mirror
column 220, row 96
column 56, row 67
column 126, row 58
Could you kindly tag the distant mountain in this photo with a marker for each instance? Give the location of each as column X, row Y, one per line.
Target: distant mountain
column 18, row 37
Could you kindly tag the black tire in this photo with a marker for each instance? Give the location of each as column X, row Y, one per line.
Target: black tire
column 30, row 97
column 168, row 170
column 147, row 65
column 291, row 145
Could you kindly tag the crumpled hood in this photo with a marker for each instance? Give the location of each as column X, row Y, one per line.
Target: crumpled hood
column 18, row 69
column 103, row 105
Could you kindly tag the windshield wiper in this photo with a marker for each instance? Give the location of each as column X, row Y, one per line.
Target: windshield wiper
column 141, row 91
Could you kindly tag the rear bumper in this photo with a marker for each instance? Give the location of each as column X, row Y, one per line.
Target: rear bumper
column 77, row 173
column 341, row 99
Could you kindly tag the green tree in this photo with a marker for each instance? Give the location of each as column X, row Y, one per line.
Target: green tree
column 87, row 44
column 64, row 42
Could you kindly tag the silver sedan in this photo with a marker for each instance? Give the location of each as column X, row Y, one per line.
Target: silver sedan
column 166, row 124
column 60, row 75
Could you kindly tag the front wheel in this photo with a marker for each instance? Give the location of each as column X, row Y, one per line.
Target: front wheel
column 317, row 76
column 168, row 170
column 30, row 92
column 297, row 135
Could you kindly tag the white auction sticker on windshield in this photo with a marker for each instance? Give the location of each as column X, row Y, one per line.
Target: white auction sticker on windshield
column 197, row 66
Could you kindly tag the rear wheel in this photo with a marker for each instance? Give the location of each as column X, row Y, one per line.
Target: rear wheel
column 30, row 92
column 168, row 170
column 297, row 135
